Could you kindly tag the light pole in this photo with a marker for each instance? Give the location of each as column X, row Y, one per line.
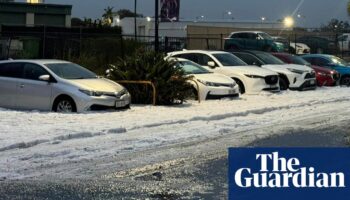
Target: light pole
column 156, row 28
column 135, row 19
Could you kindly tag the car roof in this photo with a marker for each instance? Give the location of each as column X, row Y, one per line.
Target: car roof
column 197, row 51
column 37, row 61
column 247, row 32
column 249, row 51
column 318, row 55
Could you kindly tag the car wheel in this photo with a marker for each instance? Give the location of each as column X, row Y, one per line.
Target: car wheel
column 283, row 84
column 194, row 94
column 64, row 105
column 240, row 85
column 345, row 80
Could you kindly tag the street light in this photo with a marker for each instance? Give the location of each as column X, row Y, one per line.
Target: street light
column 229, row 13
column 263, row 19
column 288, row 22
column 148, row 19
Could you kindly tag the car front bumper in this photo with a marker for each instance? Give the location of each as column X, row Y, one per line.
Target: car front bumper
column 90, row 102
column 218, row 92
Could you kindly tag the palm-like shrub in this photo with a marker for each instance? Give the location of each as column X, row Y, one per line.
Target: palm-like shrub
column 171, row 82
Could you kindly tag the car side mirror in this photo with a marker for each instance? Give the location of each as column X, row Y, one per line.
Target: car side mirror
column 45, row 77
column 211, row 64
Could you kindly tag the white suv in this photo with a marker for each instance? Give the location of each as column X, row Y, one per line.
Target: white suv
column 297, row 77
column 251, row 79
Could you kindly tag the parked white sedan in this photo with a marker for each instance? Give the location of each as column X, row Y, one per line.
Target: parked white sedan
column 211, row 85
column 250, row 79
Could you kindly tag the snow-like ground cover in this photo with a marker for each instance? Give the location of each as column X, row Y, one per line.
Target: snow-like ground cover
column 31, row 140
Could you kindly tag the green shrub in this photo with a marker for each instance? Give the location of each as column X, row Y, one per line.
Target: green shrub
column 171, row 82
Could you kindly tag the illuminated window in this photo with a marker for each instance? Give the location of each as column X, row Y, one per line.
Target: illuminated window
column 35, row 1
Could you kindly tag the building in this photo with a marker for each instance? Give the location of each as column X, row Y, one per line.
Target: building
column 145, row 27
column 34, row 13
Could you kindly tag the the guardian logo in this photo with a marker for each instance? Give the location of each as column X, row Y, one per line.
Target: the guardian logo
column 279, row 172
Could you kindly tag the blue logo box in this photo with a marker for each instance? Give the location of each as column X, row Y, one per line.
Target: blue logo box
column 289, row 173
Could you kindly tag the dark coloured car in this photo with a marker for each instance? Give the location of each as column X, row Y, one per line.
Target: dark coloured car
column 252, row 40
column 319, row 44
column 324, row 76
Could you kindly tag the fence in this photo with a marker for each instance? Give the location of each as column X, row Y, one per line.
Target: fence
column 96, row 47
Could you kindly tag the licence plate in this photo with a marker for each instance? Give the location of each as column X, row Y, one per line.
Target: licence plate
column 119, row 104
column 312, row 82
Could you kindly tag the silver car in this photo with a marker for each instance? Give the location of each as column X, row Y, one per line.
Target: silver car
column 57, row 85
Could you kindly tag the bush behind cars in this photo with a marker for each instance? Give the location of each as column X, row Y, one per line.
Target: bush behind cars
column 171, row 82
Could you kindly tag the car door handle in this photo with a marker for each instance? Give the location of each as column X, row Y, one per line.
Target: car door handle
column 21, row 85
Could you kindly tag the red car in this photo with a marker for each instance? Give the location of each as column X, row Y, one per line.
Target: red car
column 324, row 76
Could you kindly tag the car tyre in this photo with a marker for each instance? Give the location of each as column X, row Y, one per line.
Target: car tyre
column 64, row 104
column 345, row 80
column 240, row 85
column 283, row 84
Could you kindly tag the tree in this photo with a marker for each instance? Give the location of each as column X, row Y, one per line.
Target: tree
column 108, row 15
column 77, row 22
column 336, row 25
column 126, row 13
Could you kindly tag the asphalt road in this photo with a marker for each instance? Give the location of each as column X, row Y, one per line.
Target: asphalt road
column 194, row 179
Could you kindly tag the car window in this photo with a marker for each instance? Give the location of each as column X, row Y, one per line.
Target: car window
column 320, row 61
column 310, row 60
column 204, row 59
column 240, row 35
column 299, row 61
column 269, row 59
column 191, row 67
column 228, row 59
column 12, row 70
column 265, row 36
column 249, row 59
column 33, row 71
column 70, row 71
column 252, row 36
column 338, row 61
column 189, row 56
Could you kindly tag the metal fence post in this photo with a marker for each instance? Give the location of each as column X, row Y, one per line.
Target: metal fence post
column 44, row 42
column 207, row 39
column 166, row 43
column 221, row 41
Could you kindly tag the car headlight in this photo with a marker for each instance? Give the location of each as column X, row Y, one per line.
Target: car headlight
column 321, row 74
column 296, row 71
column 122, row 93
column 253, row 76
column 207, row 83
column 91, row 93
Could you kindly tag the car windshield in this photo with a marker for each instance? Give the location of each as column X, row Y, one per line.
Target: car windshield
column 299, row 61
column 70, row 71
column 227, row 59
column 192, row 68
column 265, row 36
column 338, row 61
column 269, row 59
